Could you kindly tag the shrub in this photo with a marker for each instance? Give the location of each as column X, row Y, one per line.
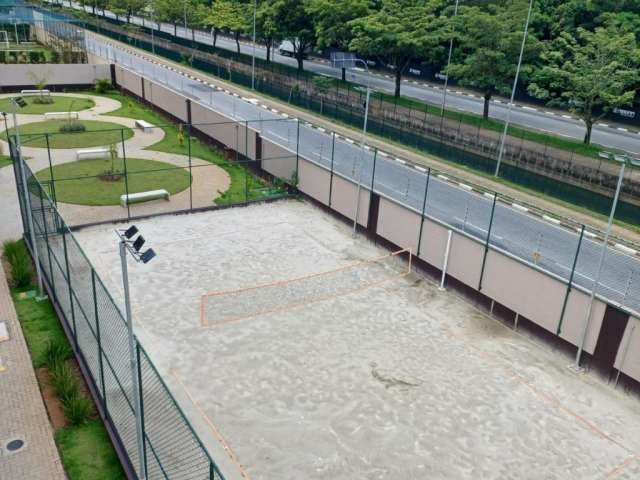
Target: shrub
column 16, row 254
column 64, row 382
column 72, row 127
column 78, row 409
column 43, row 100
column 34, row 56
column 43, row 57
column 102, row 85
column 3, row 56
column 56, row 352
column 55, row 57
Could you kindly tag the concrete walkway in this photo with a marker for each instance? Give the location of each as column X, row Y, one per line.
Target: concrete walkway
column 22, row 412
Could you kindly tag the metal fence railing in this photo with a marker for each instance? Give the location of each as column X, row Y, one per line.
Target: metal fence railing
column 98, row 332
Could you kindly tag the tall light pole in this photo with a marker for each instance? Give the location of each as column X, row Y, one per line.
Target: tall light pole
column 446, row 78
column 133, row 247
column 513, row 90
column 253, row 56
column 624, row 160
column 15, row 103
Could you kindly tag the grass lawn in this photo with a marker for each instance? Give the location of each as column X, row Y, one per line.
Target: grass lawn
column 87, row 453
column 60, row 104
column 97, row 134
column 5, row 160
column 170, row 144
column 78, row 182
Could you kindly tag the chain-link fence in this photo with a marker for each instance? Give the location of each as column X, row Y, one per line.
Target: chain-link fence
column 171, row 448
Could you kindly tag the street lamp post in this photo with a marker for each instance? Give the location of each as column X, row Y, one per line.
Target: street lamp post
column 253, row 55
column 624, row 160
column 513, row 90
column 446, row 78
column 15, row 103
column 133, row 248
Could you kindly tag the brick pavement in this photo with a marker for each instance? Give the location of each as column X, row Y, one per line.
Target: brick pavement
column 22, row 412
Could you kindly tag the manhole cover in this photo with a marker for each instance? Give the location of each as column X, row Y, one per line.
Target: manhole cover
column 15, row 445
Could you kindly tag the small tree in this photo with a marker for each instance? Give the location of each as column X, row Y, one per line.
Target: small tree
column 322, row 85
column 589, row 75
column 41, row 82
column 181, row 134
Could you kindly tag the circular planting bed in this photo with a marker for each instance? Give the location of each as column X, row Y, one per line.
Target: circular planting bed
column 102, row 181
column 60, row 104
column 95, row 134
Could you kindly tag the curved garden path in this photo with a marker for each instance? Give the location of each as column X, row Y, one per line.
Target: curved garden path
column 208, row 180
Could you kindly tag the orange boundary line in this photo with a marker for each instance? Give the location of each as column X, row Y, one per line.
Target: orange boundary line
column 618, row 470
column 204, row 297
column 225, row 445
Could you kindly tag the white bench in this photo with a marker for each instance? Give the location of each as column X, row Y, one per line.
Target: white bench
column 144, row 125
column 61, row 115
column 28, row 93
column 87, row 153
column 143, row 197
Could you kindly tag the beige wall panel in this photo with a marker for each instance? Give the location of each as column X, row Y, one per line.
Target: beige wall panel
column 343, row 200
column 574, row 317
column 169, row 101
column 465, row 260
column 524, row 290
column 398, row 224
column 218, row 127
column 278, row 161
column 631, row 364
column 56, row 74
column 314, row 181
column 131, row 82
column 433, row 243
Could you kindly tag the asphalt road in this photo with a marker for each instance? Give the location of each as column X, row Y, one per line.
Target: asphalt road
column 550, row 246
column 541, row 119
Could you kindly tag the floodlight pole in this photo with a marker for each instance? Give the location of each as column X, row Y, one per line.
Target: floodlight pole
column 446, row 78
column 27, row 199
column 513, row 91
column 596, row 281
column 253, row 55
column 132, row 356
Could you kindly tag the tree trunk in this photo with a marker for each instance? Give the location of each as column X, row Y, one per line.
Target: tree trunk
column 587, row 136
column 487, row 101
column 237, row 35
column 299, row 54
column 175, row 29
column 344, row 74
column 268, row 51
column 215, row 37
column 398, row 80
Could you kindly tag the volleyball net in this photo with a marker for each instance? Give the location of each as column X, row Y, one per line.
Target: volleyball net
column 226, row 306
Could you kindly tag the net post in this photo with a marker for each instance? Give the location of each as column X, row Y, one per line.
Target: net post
column 98, row 339
column 69, row 285
column 141, row 399
column 424, row 208
column 46, row 238
column 486, row 245
column 190, row 167
column 333, row 147
column 53, row 182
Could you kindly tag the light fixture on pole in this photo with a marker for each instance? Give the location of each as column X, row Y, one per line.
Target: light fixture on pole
column 624, row 160
column 15, row 103
column 513, row 91
column 133, row 247
column 446, row 78
column 349, row 60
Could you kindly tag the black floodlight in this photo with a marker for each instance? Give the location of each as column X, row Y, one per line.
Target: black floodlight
column 139, row 242
column 20, row 102
column 147, row 256
column 130, row 232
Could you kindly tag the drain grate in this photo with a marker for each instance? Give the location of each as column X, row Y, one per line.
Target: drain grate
column 14, row 445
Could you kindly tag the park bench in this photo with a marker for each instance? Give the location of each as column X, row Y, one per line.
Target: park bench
column 144, row 125
column 87, row 153
column 143, row 197
column 28, row 93
column 61, row 115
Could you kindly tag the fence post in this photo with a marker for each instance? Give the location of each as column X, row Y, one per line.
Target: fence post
column 95, row 315
column 486, row 244
column 46, row 239
column 333, row 147
column 126, row 175
column 373, row 169
column 53, row 182
column 140, row 395
column 69, row 286
column 573, row 270
column 190, row 168
column 297, row 145
column 424, row 208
